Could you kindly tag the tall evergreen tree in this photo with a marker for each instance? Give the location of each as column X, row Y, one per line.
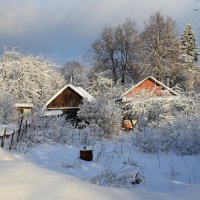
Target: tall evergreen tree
column 189, row 58
column 189, row 46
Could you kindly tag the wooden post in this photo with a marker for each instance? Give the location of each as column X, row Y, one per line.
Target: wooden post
column 26, row 126
column 12, row 139
column 3, row 136
column 20, row 127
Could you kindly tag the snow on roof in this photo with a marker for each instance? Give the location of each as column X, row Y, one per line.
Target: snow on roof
column 25, row 105
column 85, row 94
column 78, row 90
column 153, row 79
column 52, row 112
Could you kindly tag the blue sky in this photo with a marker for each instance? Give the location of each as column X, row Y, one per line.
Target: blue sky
column 64, row 30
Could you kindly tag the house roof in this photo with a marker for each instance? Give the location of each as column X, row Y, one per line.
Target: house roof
column 24, row 105
column 153, row 79
column 84, row 94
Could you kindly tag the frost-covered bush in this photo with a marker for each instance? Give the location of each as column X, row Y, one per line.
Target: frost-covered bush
column 167, row 123
column 49, row 130
column 104, row 113
column 89, row 134
column 181, row 137
column 159, row 111
column 148, row 140
column 114, row 179
column 57, row 129
column 186, row 135
column 118, row 168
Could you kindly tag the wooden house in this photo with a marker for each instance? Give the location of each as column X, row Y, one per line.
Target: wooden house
column 66, row 101
column 24, row 109
column 148, row 86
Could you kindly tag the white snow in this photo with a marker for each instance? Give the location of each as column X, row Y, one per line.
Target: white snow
column 167, row 176
column 52, row 113
column 162, row 172
column 24, row 105
column 21, row 180
column 5, row 155
column 85, row 94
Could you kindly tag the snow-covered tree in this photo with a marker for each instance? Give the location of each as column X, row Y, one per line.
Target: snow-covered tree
column 74, row 73
column 28, row 78
column 189, row 58
column 161, row 47
column 115, row 52
column 104, row 113
column 189, row 46
column 7, row 108
column 99, row 85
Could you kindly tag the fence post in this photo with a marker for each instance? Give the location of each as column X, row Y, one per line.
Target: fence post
column 20, row 126
column 3, row 136
column 26, row 126
column 12, row 139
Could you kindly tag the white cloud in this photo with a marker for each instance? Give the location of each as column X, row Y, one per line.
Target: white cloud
column 21, row 16
column 70, row 21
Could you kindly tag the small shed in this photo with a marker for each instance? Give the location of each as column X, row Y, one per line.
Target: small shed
column 66, row 101
column 148, row 86
column 24, row 109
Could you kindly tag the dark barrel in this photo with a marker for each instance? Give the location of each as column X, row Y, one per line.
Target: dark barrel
column 86, row 155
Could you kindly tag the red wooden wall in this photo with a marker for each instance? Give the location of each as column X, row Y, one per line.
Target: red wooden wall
column 146, row 87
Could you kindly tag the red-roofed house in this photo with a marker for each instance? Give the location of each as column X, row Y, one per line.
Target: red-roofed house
column 148, row 86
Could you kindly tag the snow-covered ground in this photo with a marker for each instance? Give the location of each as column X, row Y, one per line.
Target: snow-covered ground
column 115, row 164
column 21, row 180
column 161, row 172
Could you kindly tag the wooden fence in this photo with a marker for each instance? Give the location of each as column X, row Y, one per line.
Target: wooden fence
column 10, row 140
